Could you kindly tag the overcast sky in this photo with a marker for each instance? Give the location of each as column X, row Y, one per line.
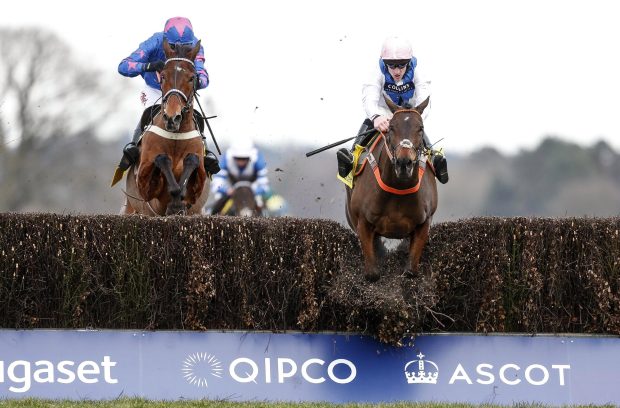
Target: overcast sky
column 504, row 73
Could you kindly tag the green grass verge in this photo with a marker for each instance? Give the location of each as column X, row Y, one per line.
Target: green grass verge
column 139, row 403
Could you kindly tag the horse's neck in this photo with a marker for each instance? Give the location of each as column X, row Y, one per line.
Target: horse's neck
column 187, row 123
column 244, row 197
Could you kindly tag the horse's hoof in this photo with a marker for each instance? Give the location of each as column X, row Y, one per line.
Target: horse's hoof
column 371, row 276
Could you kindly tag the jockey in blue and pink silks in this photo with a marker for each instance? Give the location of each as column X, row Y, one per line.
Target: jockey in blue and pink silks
column 147, row 61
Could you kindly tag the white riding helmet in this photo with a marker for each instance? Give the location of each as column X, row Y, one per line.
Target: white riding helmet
column 396, row 48
column 242, row 148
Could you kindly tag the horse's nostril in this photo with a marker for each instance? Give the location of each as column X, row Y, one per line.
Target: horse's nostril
column 177, row 118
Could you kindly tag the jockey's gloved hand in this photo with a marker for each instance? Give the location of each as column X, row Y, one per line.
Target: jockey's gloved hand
column 154, row 66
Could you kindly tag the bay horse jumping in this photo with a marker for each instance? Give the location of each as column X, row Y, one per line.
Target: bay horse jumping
column 170, row 177
column 394, row 196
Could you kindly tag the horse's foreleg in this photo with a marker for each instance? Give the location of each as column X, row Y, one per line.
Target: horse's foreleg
column 190, row 164
column 367, row 237
column 164, row 164
column 175, row 206
column 418, row 240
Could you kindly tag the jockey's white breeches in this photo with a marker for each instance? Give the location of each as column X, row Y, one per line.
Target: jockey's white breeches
column 149, row 96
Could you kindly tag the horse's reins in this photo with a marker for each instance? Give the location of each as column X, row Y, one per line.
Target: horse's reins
column 141, row 199
column 404, row 144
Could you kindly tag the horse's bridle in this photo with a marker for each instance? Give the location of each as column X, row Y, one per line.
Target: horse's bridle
column 404, row 144
column 175, row 91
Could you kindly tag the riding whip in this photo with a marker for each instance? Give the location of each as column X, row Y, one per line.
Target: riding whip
column 207, row 122
column 319, row 150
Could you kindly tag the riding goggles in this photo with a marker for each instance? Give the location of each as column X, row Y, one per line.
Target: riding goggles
column 397, row 66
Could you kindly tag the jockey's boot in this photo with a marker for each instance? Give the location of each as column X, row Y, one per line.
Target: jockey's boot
column 345, row 162
column 131, row 152
column 212, row 164
column 345, row 156
column 439, row 162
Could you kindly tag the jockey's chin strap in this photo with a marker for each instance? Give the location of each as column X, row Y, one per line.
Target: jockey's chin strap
column 175, row 91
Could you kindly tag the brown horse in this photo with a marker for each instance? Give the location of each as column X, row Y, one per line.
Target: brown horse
column 170, row 177
column 243, row 201
column 394, row 196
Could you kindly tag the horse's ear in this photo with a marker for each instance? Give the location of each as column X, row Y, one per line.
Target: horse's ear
column 194, row 51
column 420, row 108
column 167, row 49
column 393, row 107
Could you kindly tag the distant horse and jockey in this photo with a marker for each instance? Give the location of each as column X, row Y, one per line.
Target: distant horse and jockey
column 242, row 202
column 170, row 177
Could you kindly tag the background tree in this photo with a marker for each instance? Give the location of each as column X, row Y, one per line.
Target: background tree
column 48, row 96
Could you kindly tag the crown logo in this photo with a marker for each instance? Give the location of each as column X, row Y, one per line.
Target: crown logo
column 421, row 371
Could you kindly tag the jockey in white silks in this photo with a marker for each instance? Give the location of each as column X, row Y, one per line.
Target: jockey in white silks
column 400, row 78
column 241, row 162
